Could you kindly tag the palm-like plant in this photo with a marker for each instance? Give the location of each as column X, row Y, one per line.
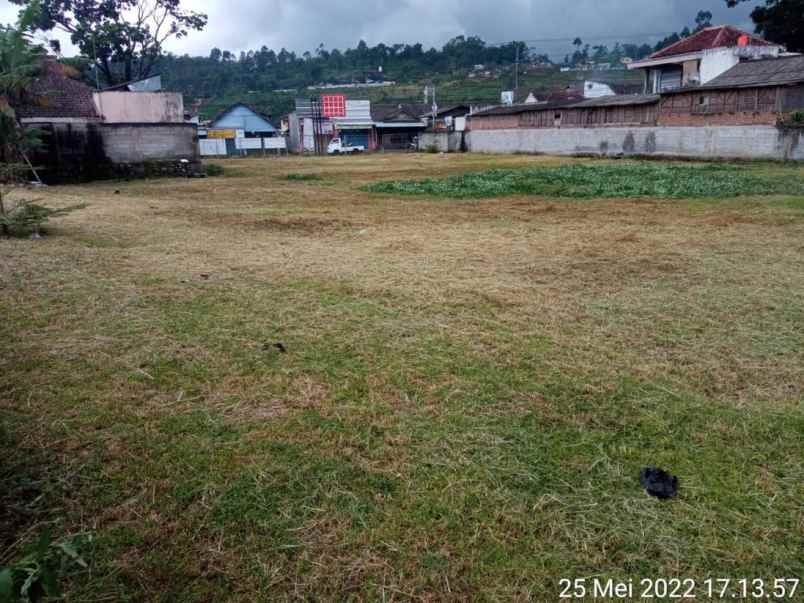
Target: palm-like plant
column 20, row 62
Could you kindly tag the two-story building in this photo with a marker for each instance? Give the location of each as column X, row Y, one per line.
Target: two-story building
column 701, row 57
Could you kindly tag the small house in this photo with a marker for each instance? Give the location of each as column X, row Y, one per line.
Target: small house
column 397, row 126
column 240, row 130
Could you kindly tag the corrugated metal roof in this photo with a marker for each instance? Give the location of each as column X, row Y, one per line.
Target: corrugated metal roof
column 605, row 101
column 526, row 108
column 242, row 117
column 406, row 112
column 618, row 101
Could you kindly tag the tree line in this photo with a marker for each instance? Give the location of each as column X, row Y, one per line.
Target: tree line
column 123, row 40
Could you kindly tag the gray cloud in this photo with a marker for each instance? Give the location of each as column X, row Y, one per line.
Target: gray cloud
column 304, row 24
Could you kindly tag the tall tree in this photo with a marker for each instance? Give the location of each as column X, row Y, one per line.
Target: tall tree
column 124, row 37
column 703, row 20
column 780, row 21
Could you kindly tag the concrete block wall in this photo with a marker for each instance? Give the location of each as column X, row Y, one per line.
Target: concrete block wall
column 728, row 142
column 445, row 142
column 138, row 143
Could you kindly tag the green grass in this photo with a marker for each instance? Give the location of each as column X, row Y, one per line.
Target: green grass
column 302, row 177
column 468, row 394
column 601, row 180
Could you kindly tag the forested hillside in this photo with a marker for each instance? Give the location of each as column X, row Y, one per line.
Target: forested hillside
column 465, row 68
column 272, row 79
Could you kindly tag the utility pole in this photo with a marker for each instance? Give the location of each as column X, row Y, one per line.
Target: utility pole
column 435, row 106
column 516, row 70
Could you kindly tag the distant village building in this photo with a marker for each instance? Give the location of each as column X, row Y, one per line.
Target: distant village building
column 701, row 57
column 240, row 130
column 315, row 122
column 751, row 110
column 398, row 126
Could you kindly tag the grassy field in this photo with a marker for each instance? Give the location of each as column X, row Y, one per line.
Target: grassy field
column 469, row 389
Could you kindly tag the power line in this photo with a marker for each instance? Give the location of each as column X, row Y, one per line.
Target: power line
column 636, row 36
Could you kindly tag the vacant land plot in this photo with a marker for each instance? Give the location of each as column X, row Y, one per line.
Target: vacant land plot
column 467, row 392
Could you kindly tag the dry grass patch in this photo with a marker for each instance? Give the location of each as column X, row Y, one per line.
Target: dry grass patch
column 465, row 383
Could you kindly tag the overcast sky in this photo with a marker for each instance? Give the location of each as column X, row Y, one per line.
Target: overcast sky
column 301, row 25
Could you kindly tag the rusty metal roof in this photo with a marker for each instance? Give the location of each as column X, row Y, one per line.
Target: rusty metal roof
column 622, row 100
column 604, row 101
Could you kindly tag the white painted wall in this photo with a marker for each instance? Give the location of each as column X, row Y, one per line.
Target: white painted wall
column 140, row 107
column 716, row 62
column 719, row 60
column 309, row 138
column 256, row 144
column 212, row 147
column 597, row 90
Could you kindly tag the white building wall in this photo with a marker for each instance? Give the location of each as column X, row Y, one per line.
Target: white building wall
column 597, row 90
column 719, row 60
column 140, row 107
column 716, row 62
column 308, row 139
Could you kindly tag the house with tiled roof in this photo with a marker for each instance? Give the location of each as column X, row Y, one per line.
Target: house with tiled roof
column 701, row 57
column 54, row 97
column 86, row 134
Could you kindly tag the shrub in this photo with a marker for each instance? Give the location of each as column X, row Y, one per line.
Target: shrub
column 213, row 169
column 797, row 117
column 302, row 177
column 28, row 217
column 431, row 148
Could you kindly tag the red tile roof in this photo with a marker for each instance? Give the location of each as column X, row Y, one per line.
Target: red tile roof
column 55, row 95
column 711, row 37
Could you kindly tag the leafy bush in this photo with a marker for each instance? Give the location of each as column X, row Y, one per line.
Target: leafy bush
column 213, row 169
column 797, row 117
column 37, row 574
column 602, row 180
column 431, row 148
column 27, row 216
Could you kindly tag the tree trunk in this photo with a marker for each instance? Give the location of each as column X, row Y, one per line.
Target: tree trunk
column 3, row 226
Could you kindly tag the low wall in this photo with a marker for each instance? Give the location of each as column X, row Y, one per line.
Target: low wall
column 730, row 142
column 140, row 143
column 82, row 150
column 444, row 142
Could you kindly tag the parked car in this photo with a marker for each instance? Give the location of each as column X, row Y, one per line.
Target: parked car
column 336, row 147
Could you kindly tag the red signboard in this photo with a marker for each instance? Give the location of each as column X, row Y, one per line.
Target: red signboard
column 333, row 105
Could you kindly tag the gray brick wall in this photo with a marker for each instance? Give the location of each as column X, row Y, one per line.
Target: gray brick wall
column 138, row 143
column 730, row 142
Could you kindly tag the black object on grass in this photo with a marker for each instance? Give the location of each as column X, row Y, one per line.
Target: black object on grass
column 278, row 345
column 658, row 482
